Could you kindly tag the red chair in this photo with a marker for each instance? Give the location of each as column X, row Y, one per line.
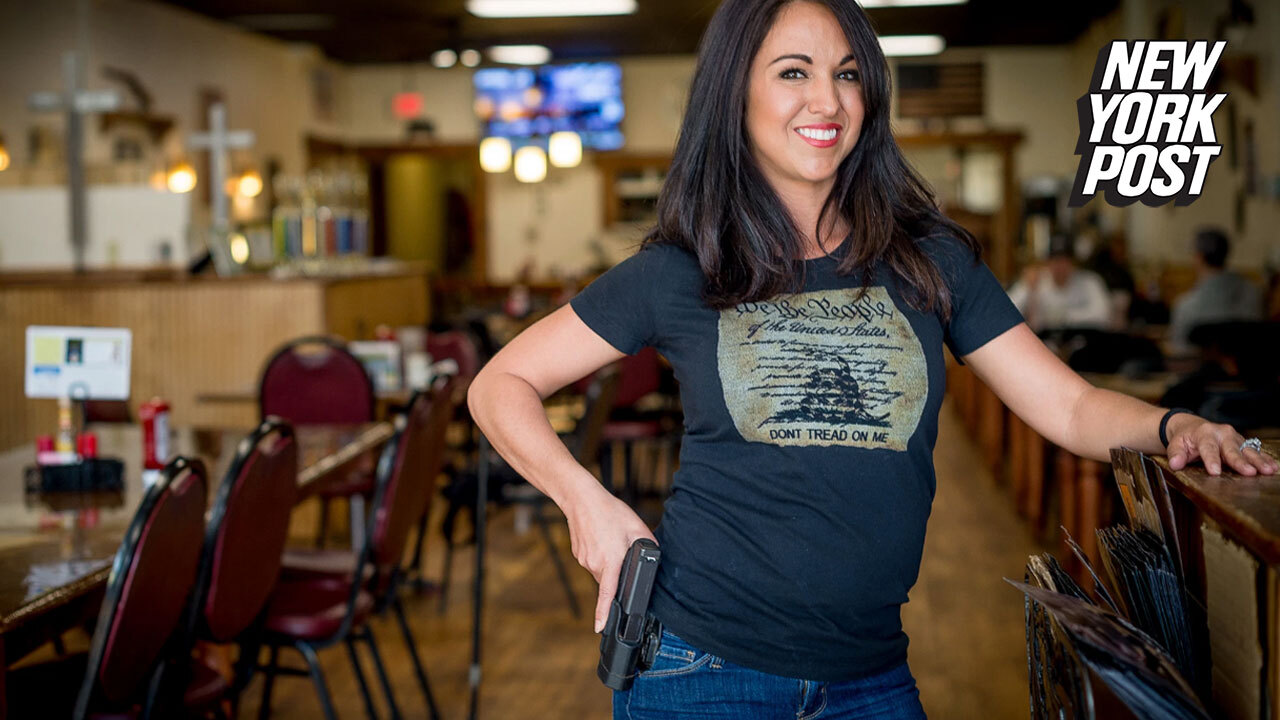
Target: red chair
column 314, row 381
column 317, row 607
column 458, row 346
column 147, row 590
column 317, row 381
column 240, row 562
column 627, row 428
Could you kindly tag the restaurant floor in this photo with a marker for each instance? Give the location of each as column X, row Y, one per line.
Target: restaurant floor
column 965, row 624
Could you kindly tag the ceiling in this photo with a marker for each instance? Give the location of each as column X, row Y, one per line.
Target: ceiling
column 394, row 31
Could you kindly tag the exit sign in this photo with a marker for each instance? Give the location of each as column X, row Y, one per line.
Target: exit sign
column 407, row 105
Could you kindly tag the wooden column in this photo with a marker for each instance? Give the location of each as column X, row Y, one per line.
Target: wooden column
column 991, row 429
column 1018, row 462
column 1034, row 509
column 1065, row 476
column 1090, row 512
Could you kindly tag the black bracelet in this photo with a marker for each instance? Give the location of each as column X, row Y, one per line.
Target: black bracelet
column 1164, row 424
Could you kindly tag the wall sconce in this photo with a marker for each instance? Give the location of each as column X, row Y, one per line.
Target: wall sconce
column 4, row 155
column 249, row 184
column 181, row 178
column 495, row 154
column 565, row 149
column 531, row 164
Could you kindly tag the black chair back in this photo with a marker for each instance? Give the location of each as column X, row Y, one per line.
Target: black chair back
column 1102, row 351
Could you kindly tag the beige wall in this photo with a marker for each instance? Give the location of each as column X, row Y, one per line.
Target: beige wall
column 268, row 88
column 174, row 53
column 552, row 225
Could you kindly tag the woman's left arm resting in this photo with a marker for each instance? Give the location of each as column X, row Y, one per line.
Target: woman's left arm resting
column 1089, row 421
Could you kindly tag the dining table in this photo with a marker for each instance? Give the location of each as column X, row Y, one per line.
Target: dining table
column 56, row 548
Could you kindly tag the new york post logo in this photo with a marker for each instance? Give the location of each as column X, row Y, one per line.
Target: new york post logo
column 1146, row 125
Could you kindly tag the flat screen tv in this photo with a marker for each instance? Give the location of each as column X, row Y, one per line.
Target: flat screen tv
column 520, row 103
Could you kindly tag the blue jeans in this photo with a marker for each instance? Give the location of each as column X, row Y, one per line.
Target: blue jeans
column 686, row 682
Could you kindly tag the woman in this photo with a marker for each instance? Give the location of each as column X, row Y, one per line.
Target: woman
column 802, row 284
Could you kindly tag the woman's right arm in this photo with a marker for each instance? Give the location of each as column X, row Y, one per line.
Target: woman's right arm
column 506, row 401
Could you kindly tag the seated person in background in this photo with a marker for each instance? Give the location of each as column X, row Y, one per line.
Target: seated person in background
column 1060, row 295
column 1218, row 296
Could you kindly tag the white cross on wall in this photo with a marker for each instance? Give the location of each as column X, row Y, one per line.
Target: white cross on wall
column 218, row 140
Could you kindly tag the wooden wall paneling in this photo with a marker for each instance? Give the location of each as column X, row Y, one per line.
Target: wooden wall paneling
column 188, row 338
column 195, row 336
column 353, row 308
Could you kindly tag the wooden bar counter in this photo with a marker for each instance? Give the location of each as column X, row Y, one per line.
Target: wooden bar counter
column 1229, row 529
column 192, row 335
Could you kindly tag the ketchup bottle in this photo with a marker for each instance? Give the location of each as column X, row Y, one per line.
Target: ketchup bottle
column 155, row 437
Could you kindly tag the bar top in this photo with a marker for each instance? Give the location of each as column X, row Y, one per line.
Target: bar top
column 1248, row 506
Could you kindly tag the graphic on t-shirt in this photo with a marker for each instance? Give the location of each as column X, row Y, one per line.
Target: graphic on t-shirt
column 823, row 368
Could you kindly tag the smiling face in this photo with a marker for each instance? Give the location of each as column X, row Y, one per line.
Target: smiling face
column 804, row 100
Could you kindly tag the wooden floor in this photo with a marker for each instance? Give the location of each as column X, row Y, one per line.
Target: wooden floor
column 965, row 623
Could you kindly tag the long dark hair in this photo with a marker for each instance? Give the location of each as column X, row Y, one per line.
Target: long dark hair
column 718, row 205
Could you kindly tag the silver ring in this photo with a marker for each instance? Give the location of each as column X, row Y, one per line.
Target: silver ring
column 1252, row 443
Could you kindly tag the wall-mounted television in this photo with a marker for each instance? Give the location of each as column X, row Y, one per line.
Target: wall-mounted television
column 520, row 103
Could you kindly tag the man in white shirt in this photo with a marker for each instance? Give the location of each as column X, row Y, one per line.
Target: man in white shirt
column 1060, row 295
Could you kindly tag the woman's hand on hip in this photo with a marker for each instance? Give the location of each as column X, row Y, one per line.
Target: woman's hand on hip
column 1192, row 438
column 601, row 530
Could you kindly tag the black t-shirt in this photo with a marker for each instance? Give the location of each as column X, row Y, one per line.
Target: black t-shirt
column 797, row 516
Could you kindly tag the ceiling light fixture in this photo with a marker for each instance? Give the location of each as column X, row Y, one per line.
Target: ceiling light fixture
column 911, row 45
column 469, row 57
column 531, row 164
column 495, row 154
column 549, row 8
column 565, row 149
column 520, row 54
column 444, row 58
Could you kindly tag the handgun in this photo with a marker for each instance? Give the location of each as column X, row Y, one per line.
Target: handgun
column 631, row 635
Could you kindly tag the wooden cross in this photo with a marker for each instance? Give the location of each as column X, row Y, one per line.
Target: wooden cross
column 76, row 102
